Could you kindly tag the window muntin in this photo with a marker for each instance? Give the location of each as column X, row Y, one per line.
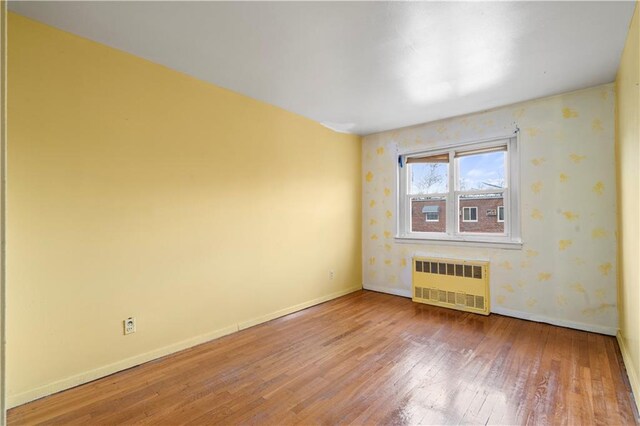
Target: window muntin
column 482, row 175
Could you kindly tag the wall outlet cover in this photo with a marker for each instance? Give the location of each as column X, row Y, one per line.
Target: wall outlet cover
column 129, row 325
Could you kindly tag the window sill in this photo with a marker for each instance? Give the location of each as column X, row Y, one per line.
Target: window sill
column 508, row 245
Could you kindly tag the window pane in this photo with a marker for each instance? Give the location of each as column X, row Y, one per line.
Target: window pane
column 479, row 213
column 428, row 178
column 482, row 171
column 429, row 214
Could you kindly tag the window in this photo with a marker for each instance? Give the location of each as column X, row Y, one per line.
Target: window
column 432, row 213
column 466, row 192
column 470, row 214
column 433, row 217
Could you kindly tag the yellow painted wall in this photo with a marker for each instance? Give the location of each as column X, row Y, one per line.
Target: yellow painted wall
column 135, row 190
column 628, row 163
column 3, row 170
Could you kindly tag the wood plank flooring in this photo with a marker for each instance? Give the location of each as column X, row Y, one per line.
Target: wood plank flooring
column 365, row 358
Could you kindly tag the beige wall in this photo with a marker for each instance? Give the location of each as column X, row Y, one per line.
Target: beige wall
column 3, row 170
column 565, row 272
column 138, row 191
column 628, row 161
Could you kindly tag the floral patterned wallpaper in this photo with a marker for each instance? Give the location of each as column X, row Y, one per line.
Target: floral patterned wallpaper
column 565, row 273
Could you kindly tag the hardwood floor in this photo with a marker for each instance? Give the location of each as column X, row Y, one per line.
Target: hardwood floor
column 366, row 358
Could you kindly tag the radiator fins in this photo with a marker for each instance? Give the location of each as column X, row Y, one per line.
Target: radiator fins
column 461, row 299
column 458, row 270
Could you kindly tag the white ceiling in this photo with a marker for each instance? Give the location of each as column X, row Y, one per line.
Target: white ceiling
column 365, row 67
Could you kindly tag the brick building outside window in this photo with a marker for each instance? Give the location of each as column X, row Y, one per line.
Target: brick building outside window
column 431, row 215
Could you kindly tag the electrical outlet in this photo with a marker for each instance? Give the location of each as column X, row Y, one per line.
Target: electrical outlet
column 332, row 274
column 129, row 325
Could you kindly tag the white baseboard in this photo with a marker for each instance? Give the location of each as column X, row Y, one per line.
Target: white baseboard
column 295, row 308
column 105, row 370
column 611, row 331
column 594, row 328
column 88, row 376
column 632, row 372
column 395, row 291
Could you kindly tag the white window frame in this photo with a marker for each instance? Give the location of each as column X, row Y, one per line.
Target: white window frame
column 510, row 238
column 469, row 208
column 432, row 220
column 498, row 213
